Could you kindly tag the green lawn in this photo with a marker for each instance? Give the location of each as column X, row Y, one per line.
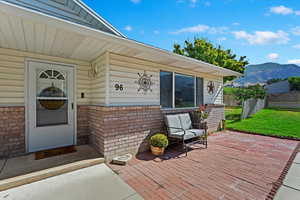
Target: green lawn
column 278, row 122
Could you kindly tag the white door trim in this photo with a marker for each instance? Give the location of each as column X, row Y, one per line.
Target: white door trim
column 26, row 95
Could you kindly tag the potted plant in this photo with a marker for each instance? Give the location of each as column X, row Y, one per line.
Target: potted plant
column 200, row 114
column 158, row 143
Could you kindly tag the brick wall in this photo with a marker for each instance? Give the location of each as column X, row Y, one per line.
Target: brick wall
column 12, row 131
column 111, row 130
column 216, row 115
column 83, row 131
column 120, row 130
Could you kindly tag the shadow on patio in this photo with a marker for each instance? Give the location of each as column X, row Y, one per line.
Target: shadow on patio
column 21, row 165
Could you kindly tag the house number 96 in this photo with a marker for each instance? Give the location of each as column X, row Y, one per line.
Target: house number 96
column 119, row 87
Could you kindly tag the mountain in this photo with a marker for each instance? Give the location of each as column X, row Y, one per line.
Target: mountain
column 263, row 72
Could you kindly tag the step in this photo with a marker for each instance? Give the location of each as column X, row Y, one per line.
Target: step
column 47, row 173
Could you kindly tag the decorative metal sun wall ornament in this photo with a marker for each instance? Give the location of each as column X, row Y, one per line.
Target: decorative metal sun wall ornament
column 144, row 82
column 210, row 87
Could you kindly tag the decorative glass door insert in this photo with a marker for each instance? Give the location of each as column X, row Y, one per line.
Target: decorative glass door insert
column 51, row 98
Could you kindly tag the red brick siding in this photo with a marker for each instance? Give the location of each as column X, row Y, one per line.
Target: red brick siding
column 119, row 130
column 83, row 131
column 12, row 131
column 111, row 130
column 96, row 124
column 216, row 115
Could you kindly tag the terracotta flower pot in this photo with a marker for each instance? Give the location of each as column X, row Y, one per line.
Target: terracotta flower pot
column 157, row 150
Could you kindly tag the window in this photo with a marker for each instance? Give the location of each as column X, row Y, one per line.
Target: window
column 185, row 91
column 166, row 89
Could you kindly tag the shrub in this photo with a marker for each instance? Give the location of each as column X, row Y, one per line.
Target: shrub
column 274, row 80
column 252, row 91
column 159, row 140
column 229, row 91
column 294, row 83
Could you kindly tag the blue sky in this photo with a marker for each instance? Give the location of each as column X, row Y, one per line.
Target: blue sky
column 262, row 30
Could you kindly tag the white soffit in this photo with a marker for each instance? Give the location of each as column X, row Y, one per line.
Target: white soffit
column 27, row 30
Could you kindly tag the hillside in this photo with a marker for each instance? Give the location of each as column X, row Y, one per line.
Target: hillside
column 264, row 72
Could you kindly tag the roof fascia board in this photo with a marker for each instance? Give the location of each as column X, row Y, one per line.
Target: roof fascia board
column 98, row 17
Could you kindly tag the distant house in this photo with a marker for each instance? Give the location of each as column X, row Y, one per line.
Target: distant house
column 68, row 77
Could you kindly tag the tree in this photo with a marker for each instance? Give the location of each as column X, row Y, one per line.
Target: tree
column 250, row 92
column 294, row 83
column 274, row 80
column 202, row 49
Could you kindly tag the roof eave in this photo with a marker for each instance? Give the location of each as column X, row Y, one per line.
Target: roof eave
column 77, row 28
column 97, row 16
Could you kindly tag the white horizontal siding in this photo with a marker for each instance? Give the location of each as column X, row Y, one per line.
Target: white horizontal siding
column 12, row 73
column 126, row 72
column 217, row 96
column 12, row 76
column 98, row 83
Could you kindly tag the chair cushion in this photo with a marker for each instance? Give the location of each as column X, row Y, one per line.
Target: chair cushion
column 192, row 133
column 173, row 121
column 185, row 120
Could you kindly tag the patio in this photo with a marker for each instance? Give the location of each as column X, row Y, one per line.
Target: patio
column 235, row 166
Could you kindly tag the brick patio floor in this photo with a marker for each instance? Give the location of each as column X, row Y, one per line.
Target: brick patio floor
column 235, row 166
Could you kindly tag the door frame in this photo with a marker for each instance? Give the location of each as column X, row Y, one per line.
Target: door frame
column 26, row 95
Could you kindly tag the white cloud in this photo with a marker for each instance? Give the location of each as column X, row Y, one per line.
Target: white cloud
column 207, row 3
column 297, row 46
column 263, row 37
column 282, row 10
column 294, row 61
column 135, row 1
column 192, row 29
column 156, row 32
column 236, row 24
column 201, row 28
column 192, row 3
column 273, row 56
column 296, row 30
column 221, row 39
column 128, row 28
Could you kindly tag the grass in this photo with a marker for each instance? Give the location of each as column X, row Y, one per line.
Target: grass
column 278, row 122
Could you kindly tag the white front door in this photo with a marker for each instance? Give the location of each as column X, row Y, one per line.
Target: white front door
column 50, row 106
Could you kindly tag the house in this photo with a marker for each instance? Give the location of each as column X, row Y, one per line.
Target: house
column 68, row 77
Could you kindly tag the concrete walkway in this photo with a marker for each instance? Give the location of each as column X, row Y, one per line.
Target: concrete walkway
column 290, row 189
column 94, row 183
column 26, row 164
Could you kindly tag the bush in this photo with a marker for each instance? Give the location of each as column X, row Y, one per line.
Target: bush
column 229, row 91
column 250, row 92
column 274, row 80
column 159, row 140
column 294, row 83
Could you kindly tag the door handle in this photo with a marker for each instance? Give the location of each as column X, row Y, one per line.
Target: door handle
column 72, row 106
